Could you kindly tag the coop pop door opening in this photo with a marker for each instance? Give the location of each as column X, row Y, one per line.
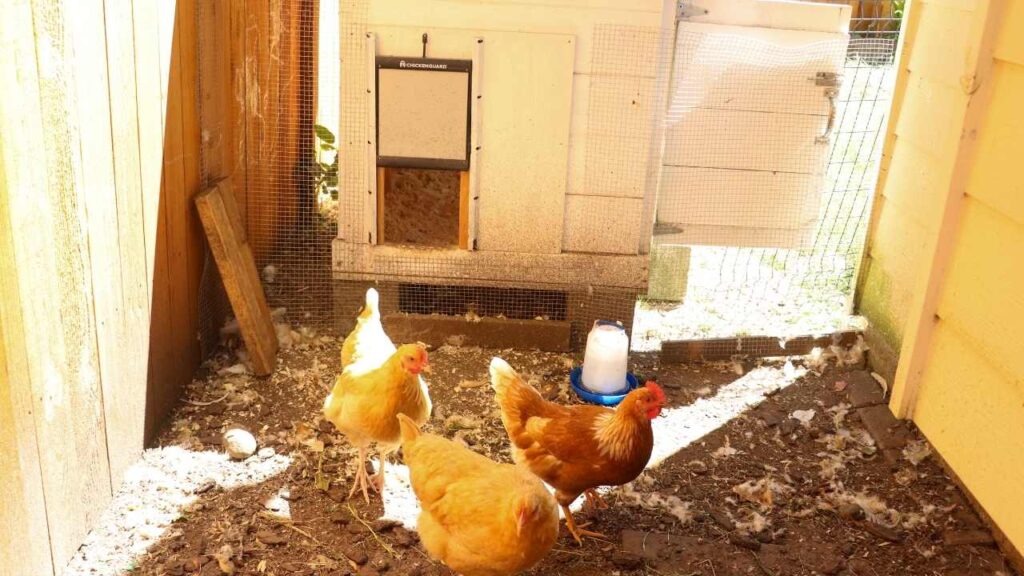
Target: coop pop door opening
column 422, row 207
column 423, row 126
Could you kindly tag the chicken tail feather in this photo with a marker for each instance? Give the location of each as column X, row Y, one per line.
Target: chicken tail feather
column 517, row 399
column 372, row 307
column 502, row 377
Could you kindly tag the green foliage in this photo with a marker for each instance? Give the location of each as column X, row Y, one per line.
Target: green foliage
column 326, row 173
column 898, row 8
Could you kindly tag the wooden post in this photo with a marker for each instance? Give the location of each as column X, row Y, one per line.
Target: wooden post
column 382, row 186
column 224, row 230
column 464, row 210
column 977, row 82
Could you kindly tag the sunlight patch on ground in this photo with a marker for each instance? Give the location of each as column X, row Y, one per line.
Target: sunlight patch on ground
column 677, row 428
column 674, row 430
column 400, row 502
column 155, row 492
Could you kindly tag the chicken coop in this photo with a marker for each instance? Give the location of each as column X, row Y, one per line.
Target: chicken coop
column 504, row 173
column 462, row 195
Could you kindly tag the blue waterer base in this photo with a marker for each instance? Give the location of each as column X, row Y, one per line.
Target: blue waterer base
column 576, row 379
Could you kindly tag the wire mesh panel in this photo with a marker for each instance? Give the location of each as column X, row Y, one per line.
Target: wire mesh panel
column 553, row 221
column 737, row 291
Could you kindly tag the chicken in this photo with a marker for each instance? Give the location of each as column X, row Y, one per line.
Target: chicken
column 376, row 383
column 367, row 339
column 479, row 517
column 577, row 448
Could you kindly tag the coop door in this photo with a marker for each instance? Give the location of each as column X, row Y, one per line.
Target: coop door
column 748, row 126
column 423, row 155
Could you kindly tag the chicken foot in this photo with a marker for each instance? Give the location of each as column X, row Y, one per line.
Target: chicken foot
column 377, row 480
column 594, row 501
column 362, row 479
column 576, row 531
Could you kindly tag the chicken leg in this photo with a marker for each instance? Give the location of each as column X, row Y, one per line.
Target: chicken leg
column 377, row 480
column 362, row 479
column 576, row 531
column 594, row 500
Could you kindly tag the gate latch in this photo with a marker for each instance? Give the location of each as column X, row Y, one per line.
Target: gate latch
column 830, row 82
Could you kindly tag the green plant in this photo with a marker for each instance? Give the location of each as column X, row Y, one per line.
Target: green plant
column 898, row 7
column 325, row 174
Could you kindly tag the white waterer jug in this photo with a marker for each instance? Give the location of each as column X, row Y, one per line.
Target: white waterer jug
column 604, row 362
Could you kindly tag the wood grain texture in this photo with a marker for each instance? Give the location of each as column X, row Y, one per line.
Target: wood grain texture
column 22, row 502
column 181, row 337
column 49, row 228
column 108, row 123
column 238, row 272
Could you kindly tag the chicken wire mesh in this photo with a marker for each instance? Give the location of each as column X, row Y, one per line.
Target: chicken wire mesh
column 807, row 289
column 297, row 71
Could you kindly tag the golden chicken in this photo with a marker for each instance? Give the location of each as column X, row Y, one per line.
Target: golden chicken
column 577, row 448
column 374, row 386
column 479, row 517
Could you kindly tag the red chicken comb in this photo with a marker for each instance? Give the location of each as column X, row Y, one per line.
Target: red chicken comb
column 656, row 390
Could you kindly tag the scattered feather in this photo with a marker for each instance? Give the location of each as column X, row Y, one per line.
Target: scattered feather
column 725, row 451
column 269, row 273
column 672, row 505
column 754, row 524
column 803, row 416
column 917, row 452
column 764, row 492
column 881, row 382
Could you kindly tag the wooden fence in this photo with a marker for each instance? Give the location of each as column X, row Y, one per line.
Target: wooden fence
column 101, row 251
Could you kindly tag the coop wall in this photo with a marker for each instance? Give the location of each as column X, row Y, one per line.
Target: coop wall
column 951, row 218
column 565, row 116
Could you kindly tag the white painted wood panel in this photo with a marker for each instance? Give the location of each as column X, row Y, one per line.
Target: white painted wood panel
column 525, row 110
column 694, row 235
column 781, row 14
column 716, row 197
column 537, row 16
column 617, row 137
column 596, row 224
column 744, row 163
column 752, row 141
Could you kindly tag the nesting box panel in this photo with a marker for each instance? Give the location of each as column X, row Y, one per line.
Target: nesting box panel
column 422, row 114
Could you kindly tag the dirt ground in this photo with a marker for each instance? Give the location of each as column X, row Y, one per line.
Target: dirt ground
column 772, row 472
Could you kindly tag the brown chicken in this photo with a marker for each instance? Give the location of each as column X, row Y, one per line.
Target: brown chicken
column 479, row 517
column 376, row 383
column 577, row 448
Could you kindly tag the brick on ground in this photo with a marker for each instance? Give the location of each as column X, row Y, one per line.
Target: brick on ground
column 862, row 390
column 888, row 432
